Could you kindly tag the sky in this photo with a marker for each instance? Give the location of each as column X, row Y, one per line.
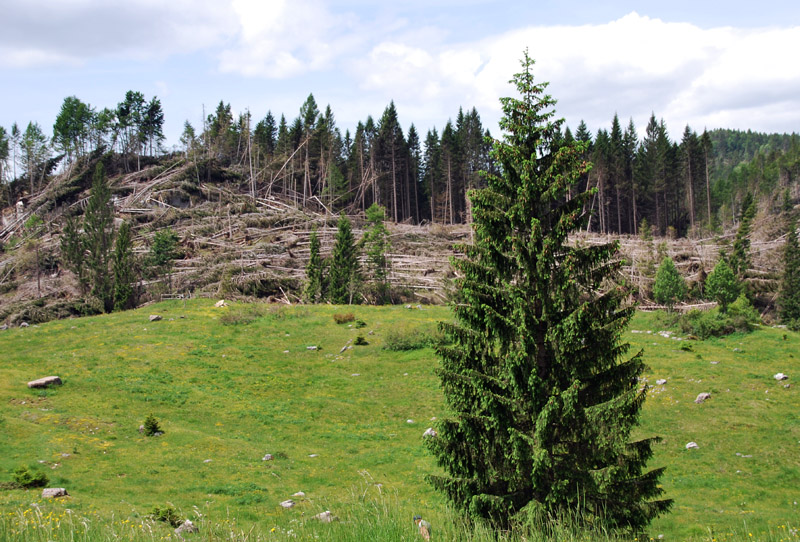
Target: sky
column 703, row 63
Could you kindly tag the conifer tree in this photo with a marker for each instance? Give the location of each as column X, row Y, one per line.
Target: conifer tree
column 313, row 290
column 669, row 287
column 376, row 243
column 740, row 258
column 542, row 400
column 789, row 301
column 344, row 276
column 98, row 226
column 124, row 269
column 72, row 249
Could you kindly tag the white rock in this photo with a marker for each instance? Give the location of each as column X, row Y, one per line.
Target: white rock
column 287, row 503
column 429, row 432
column 409, row 421
column 155, row 317
column 661, row 381
column 52, row 492
column 45, row 382
column 702, row 397
column 186, row 527
column 780, row 376
column 220, row 303
column 691, row 445
column 311, row 347
column 206, row 460
column 267, row 457
column 299, row 494
column 313, row 455
column 324, row 517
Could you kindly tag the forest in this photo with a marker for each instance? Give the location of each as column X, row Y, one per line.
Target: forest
column 687, row 186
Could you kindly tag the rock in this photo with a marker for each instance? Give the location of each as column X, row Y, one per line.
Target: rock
column 186, row 527
column 313, row 455
column 311, row 347
column 220, row 303
column 787, row 386
column 408, row 306
column 780, row 376
column 141, row 429
column 4, row 327
column 24, row 324
column 287, row 503
column 409, row 420
column 429, row 432
column 155, row 317
column 737, row 349
column 714, row 363
column 207, row 460
column 45, row 382
column 324, row 517
column 356, row 374
column 702, row 397
column 299, row 494
column 661, row 381
column 267, row 457
column 53, row 492
column 692, row 446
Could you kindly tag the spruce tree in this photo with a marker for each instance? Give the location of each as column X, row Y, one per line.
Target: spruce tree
column 344, row 276
column 740, row 258
column 98, row 225
column 72, row 250
column 669, row 287
column 124, row 269
column 313, row 289
column 376, row 242
column 789, row 301
column 542, row 400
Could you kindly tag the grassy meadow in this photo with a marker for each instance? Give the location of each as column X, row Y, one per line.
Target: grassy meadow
column 231, row 384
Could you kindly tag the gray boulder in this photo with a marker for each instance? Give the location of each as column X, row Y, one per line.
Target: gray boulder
column 45, row 382
column 155, row 317
column 53, row 492
column 185, row 528
column 701, row 398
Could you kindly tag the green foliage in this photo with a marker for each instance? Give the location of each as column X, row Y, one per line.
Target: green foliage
column 740, row 258
column 669, row 288
column 344, row 276
column 163, row 251
column 741, row 316
column 98, row 225
column 314, row 279
column 167, row 514
column 361, row 341
column 402, row 338
column 376, row 242
column 124, row 269
column 151, row 426
column 789, row 300
column 24, row 477
column 541, row 401
column 343, row 317
column 722, row 285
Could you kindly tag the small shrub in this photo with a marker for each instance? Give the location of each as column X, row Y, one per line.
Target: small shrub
column 360, row 341
column 27, row 478
column 360, row 323
column 722, row 285
column 343, row 318
column 411, row 338
column 151, row 426
column 168, row 514
column 669, row 287
column 742, row 314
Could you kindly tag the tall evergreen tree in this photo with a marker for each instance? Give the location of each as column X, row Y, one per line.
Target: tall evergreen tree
column 314, row 280
column 124, row 269
column 344, row 276
column 376, row 242
column 789, row 301
column 98, row 226
column 740, row 258
column 542, row 402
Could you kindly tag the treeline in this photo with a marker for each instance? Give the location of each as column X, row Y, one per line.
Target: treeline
column 311, row 162
column 690, row 186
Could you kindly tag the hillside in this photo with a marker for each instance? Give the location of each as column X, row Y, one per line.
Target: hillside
column 234, row 244
column 232, row 384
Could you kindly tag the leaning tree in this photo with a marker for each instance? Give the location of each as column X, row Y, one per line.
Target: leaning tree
column 541, row 397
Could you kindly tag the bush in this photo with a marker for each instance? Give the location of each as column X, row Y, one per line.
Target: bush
column 361, row 341
column 168, row 514
column 25, row 478
column 741, row 316
column 400, row 339
column 343, row 318
column 151, row 427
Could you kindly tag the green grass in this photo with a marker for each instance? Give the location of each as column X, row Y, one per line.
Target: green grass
column 223, row 387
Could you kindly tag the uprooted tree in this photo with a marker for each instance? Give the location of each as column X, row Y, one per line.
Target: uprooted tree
column 541, row 395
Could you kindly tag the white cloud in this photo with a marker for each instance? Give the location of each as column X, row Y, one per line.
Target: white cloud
column 47, row 32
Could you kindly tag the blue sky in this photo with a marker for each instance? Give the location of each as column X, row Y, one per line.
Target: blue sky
column 703, row 63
